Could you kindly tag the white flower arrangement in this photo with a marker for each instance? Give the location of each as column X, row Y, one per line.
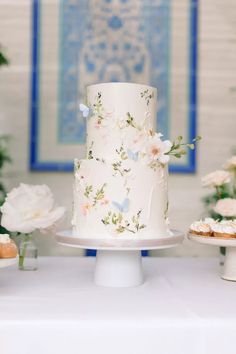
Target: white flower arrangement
column 30, row 207
column 221, row 204
column 216, row 178
column 226, row 207
column 231, row 164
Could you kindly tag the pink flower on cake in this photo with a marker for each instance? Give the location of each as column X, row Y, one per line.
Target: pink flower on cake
column 226, row 207
column 156, row 149
column 104, row 201
column 86, row 207
column 216, row 179
column 231, row 164
column 100, row 124
column 139, row 141
column 121, row 123
column 109, row 114
column 81, row 173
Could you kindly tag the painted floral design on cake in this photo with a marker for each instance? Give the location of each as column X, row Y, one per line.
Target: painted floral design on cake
column 147, row 95
column 119, row 222
column 95, row 197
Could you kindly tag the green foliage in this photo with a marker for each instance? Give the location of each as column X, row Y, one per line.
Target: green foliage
column 130, row 120
column 122, row 153
column 147, row 95
column 121, row 224
column 3, row 59
column 100, row 194
column 4, row 155
column 4, row 159
column 178, row 148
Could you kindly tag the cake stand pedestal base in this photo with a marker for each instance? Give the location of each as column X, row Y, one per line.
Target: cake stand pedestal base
column 118, row 262
column 229, row 268
column 118, row 268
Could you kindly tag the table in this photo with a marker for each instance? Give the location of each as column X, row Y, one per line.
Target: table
column 182, row 308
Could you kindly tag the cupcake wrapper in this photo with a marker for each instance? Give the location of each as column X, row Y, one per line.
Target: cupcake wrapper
column 224, row 235
column 199, row 233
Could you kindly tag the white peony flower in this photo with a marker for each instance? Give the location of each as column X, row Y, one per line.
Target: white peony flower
column 231, row 164
column 30, row 207
column 156, row 149
column 226, row 207
column 216, row 179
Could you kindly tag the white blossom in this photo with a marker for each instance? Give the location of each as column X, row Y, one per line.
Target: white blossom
column 216, row 179
column 231, row 164
column 30, row 207
column 226, row 207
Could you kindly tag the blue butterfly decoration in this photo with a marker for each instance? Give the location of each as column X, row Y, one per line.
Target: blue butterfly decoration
column 132, row 155
column 123, row 207
column 84, row 109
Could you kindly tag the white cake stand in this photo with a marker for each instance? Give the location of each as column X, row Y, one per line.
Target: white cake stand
column 8, row 262
column 229, row 270
column 118, row 262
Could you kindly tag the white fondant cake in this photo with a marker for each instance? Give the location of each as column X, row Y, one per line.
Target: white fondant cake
column 120, row 190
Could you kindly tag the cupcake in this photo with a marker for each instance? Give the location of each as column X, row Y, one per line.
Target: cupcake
column 8, row 247
column 210, row 221
column 201, row 228
column 225, row 229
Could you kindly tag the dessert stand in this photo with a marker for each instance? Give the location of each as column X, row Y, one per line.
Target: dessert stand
column 118, row 262
column 229, row 270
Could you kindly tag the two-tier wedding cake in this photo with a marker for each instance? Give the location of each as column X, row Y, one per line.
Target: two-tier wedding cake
column 120, row 189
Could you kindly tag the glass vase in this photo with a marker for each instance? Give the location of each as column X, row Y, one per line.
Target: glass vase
column 28, row 253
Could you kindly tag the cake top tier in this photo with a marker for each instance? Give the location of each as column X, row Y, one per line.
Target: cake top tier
column 117, row 112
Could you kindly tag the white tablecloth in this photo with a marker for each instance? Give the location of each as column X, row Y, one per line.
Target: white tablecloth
column 183, row 308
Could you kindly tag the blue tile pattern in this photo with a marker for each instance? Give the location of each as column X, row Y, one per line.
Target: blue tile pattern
column 81, row 58
column 113, row 41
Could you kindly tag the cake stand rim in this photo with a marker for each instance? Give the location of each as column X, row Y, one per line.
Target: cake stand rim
column 212, row 240
column 124, row 245
column 7, row 262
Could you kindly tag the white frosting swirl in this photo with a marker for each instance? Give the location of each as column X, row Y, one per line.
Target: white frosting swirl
column 200, row 226
column 225, row 226
column 210, row 221
column 5, row 238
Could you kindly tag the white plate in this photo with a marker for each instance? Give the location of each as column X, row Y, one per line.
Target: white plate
column 8, row 262
column 214, row 241
column 67, row 238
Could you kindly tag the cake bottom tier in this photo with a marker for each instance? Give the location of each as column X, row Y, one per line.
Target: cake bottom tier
column 125, row 200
